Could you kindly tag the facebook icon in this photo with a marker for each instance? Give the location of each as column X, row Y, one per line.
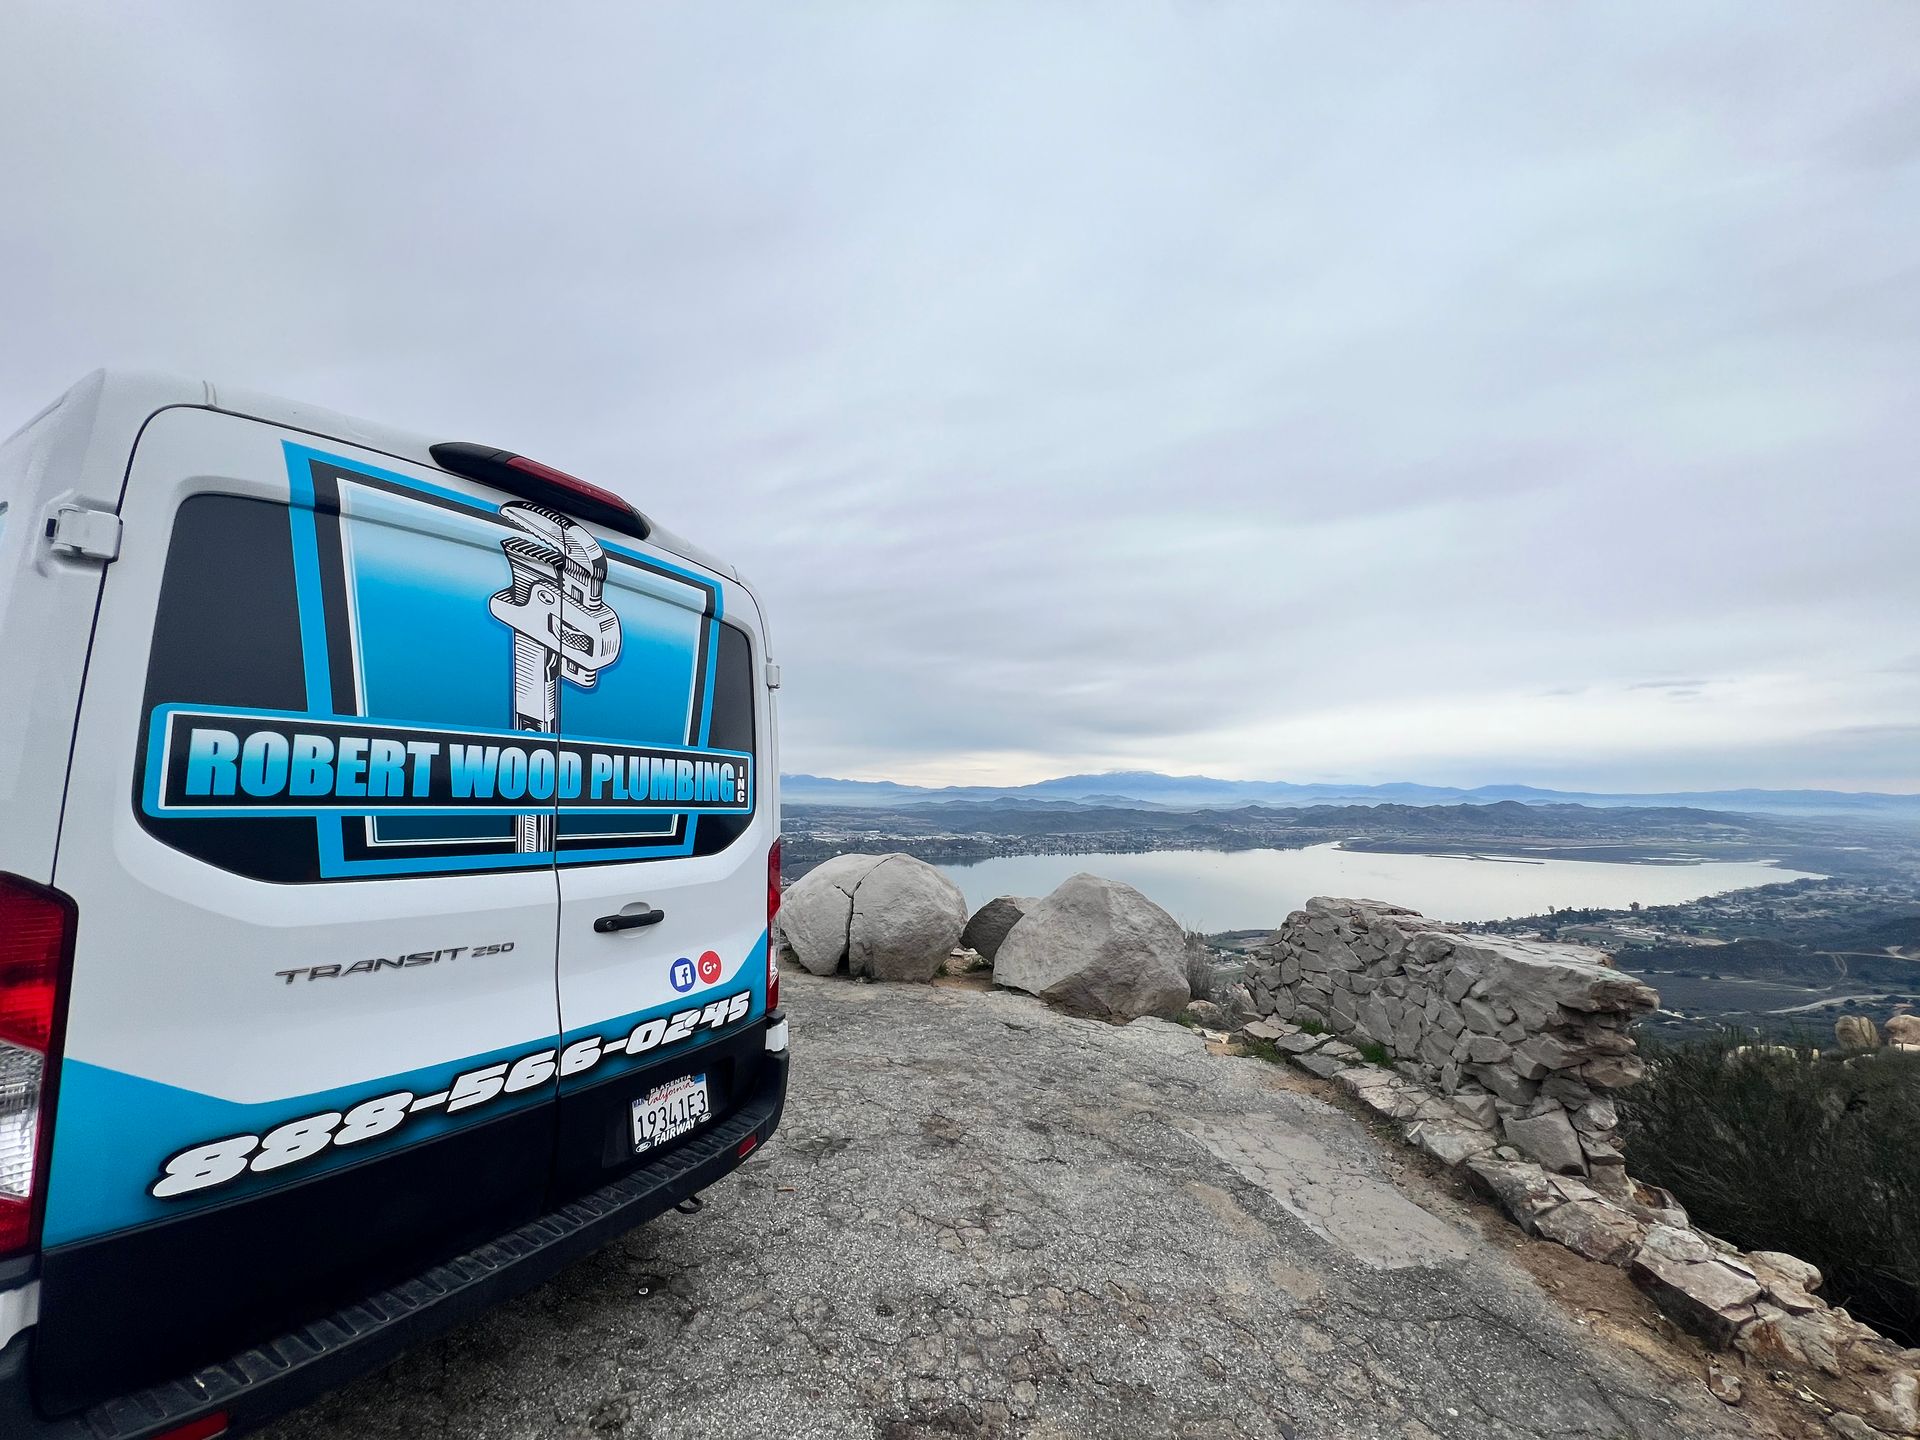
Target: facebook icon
column 682, row 974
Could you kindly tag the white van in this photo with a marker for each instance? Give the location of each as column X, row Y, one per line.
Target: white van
column 390, row 846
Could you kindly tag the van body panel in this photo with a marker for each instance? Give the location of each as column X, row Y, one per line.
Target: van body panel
column 364, row 754
column 232, row 1036
column 73, row 453
column 698, row 973
column 200, row 994
column 714, row 898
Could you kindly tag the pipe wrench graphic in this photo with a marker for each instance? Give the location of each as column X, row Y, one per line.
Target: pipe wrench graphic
column 562, row 627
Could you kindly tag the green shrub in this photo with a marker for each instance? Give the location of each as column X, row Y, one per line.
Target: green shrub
column 1310, row 1025
column 1817, row 1157
column 1260, row 1049
column 1374, row 1053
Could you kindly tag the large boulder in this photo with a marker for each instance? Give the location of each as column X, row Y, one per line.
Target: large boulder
column 1856, row 1032
column 1099, row 948
column 886, row 917
column 817, row 911
column 1904, row 1030
column 990, row 923
column 907, row 918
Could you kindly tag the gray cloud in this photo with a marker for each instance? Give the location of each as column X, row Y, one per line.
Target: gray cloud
column 1363, row 392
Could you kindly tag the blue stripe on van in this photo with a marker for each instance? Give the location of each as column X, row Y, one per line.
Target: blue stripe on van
column 116, row 1131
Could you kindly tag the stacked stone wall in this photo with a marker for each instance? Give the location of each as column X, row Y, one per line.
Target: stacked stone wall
column 1526, row 1039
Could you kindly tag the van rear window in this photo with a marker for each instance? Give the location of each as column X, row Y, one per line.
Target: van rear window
column 370, row 645
column 227, row 632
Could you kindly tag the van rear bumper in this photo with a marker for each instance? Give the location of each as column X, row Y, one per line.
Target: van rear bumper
column 257, row 1384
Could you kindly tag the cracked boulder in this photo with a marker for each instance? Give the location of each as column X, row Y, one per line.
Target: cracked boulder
column 817, row 910
column 907, row 917
column 884, row 917
column 1098, row 948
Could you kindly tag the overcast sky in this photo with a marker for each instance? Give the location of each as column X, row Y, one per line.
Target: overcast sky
column 1358, row 392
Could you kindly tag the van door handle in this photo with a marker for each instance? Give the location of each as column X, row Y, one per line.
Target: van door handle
column 607, row 924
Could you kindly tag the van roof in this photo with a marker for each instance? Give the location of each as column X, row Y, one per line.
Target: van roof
column 144, row 392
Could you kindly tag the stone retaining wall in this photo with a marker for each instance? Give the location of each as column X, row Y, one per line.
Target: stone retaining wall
column 1526, row 1039
column 1759, row 1305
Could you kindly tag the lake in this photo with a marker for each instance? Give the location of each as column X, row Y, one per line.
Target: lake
column 1254, row 889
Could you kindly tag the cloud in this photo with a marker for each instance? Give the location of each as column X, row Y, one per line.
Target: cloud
column 1320, row 392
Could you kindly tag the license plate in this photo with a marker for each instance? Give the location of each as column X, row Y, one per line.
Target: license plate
column 670, row 1110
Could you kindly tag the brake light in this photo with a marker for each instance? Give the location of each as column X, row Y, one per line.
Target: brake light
column 36, row 931
column 773, row 909
column 542, row 484
column 571, row 484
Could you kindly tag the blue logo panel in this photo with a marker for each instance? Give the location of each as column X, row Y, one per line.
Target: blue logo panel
column 487, row 687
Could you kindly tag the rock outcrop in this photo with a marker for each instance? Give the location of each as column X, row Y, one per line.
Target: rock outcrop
column 1760, row 1305
column 1526, row 1038
column 1098, row 948
column 1904, row 1030
column 1856, row 1032
column 1711, row 1292
column 881, row 917
column 990, row 923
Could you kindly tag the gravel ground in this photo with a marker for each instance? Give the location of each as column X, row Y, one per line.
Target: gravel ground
column 982, row 1219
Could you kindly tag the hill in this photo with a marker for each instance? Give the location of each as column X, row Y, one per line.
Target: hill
column 1150, row 788
column 960, row 831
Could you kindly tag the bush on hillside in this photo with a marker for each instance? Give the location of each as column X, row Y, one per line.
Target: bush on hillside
column 1819, row 1157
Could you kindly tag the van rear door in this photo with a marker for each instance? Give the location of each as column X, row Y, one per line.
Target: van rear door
column 663, row 856
column 312, row 1034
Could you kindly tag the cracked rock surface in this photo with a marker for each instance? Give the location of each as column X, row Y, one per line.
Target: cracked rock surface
column 880, row 917
column 984, row 1218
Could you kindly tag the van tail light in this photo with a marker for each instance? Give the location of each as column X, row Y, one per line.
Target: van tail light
column 773, row 909
column 36, row 935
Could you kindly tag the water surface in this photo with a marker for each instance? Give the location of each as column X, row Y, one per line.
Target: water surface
column 1253, row 889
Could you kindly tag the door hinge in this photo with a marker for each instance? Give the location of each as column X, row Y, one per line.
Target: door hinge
column 773, row 676
column 91, row 534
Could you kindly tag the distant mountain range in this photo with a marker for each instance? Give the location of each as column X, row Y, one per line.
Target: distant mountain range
column 1146, row 788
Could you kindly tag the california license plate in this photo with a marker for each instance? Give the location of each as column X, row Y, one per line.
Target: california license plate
column 670, row 1110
